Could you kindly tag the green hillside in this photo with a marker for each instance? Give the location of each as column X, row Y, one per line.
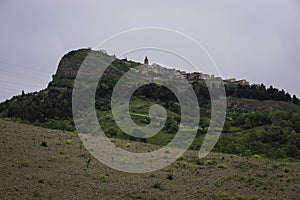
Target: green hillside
column 260, row 120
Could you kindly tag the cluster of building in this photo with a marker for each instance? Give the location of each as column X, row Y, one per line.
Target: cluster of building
column 156, row 71
column 235, row 81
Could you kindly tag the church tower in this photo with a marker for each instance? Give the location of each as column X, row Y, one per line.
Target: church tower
column 146, row 61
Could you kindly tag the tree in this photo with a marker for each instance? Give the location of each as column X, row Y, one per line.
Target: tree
column 226, row 127
column 296, row 122
column 295, row 99
column 288, row 97
column 247, row 124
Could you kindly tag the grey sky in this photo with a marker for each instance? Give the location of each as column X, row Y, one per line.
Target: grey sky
column 258, row 40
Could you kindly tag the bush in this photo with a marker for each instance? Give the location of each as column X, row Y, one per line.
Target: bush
column 221, row 166
column 256, row 156
column 68, row 141
column 127, row 145
column 170, row 176
column 44, row 144
column 157, row 186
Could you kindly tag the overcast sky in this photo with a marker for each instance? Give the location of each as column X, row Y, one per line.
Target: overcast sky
column 258, row 40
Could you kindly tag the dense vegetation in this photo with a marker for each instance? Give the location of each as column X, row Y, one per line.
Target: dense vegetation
column 259, row 92
column 273, row 133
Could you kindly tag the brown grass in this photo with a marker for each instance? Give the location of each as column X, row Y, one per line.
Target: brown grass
column 39, row 163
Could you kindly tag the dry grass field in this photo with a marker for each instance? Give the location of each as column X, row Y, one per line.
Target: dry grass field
column 38, row 163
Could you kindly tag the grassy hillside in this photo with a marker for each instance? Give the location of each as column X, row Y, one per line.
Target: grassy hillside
column 260, row 120
column 38, row 163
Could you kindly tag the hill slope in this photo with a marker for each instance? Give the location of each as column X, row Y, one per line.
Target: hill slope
column 40, row 163
column 55, row 101
column 259, row 120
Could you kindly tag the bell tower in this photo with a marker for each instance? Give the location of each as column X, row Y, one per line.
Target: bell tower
column 146, row 61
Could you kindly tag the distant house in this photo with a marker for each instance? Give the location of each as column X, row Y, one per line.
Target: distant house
column 155, row 68
column 237, row 82
column 196, row 75
column 230, row 80
column 243, row 82
column 186, row 75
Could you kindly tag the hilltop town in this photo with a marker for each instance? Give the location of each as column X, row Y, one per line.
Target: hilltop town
column 156, row 71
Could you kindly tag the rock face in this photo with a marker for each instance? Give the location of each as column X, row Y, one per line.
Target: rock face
column 71, row 62
column 67, row 69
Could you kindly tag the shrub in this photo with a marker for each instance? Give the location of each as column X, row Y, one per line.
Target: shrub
column 180, row 158
column 36, row 194
column 157, row 186
column 103, row 179
column 128, row 145
column 257, row 156
column 208, row 162
column 170, row 176
column 88, row 162
column 68, row 141
column 286, row 170
column 44, row 144
column 22, row 165
column 200, row 162
column 221, row 166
